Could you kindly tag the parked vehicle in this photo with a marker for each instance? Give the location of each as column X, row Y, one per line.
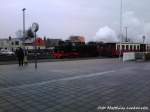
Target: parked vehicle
column 6, row 52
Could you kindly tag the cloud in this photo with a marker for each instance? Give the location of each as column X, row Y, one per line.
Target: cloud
column 106, row 34
column 130, row 19
column 135, row 26
column 147, row 32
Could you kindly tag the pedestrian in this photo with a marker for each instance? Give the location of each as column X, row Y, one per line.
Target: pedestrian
column 26, row 57
column 20, row 56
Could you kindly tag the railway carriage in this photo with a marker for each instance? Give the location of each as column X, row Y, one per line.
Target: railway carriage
column 116, row 49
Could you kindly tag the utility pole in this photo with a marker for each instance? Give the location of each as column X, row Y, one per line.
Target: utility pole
column 126, row 29
column 121, row 17
column 144, row 37
column 121, row 14
column 35, row 28
column 24, row 9
column 35, row 50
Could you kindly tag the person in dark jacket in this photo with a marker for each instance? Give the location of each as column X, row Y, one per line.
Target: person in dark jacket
column 20, row 56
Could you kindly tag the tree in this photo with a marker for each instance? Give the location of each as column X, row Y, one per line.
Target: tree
column 29, row 33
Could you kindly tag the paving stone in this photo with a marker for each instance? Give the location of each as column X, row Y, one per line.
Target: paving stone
column 55, row 87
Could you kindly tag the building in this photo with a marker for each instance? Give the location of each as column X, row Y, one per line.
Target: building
column 40, row 43
column 77, row 39
column 15, row 43
column 53, row 42
column 30, row 43
column 10, row 44
column 4, row 44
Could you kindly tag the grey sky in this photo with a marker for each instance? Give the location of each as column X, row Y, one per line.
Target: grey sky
column 62, row 18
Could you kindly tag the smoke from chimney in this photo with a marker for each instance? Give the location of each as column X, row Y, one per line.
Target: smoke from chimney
column 136, row 29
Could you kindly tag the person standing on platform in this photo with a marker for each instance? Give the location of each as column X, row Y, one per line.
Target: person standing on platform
column 20, row 56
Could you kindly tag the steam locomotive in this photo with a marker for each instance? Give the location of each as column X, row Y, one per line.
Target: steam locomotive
column 94, row 49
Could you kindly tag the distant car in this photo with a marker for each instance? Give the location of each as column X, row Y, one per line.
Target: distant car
column 6, row 52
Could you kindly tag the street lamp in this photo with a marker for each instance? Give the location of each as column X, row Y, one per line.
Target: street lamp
column 126, row 29
column 24, row 9
column 121, row 22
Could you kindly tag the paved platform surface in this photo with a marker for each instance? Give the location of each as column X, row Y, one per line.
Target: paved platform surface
column 99, row 85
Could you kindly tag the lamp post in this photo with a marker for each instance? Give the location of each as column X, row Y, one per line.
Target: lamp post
column 144, row 37
column 126, row 29
column 24, row 9
column 121, row 22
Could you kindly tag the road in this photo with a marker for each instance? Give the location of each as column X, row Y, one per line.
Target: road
column 75, row 86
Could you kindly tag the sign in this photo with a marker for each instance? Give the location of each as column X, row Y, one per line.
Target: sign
column 35, row 27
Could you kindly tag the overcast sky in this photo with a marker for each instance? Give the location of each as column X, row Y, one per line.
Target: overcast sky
column 62, row 18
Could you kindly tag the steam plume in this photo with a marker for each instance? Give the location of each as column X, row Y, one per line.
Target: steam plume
column 106, row 34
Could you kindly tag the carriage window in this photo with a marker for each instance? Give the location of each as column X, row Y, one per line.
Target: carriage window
column 127, row 47
column 148, row 48
column 134, row 47
column 138, row 47
column 16, row 42
column 118, row 47
column 131, row 47
column 123, row 47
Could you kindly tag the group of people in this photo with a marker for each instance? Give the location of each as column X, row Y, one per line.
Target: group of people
column 21, row 56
